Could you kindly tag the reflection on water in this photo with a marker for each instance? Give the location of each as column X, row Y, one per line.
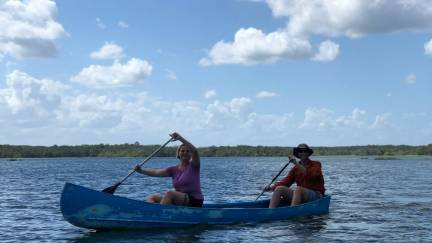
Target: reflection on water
column 189, row 234
column 372, row 200
column 299, row 228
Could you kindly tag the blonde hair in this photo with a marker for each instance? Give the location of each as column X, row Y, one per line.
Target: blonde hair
column 178, row 150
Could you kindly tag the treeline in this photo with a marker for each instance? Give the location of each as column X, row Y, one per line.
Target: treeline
column 137, row 150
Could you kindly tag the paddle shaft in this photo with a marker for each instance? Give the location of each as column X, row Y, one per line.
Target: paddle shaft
column 147, row 159
column 274, row 178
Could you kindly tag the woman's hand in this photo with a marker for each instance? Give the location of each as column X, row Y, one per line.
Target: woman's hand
column 176, row 136
column 138, row 169
column 195, row 156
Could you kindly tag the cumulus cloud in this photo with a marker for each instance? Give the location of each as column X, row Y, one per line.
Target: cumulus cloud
column 353, row 18
column 278, row 125
column 381, row 121
column 90, row 111
column 428, row 47
column 234, row 112
column 135, row 71
column 410, row 79
column 265, row 94
column 323, row 118
column 356, row 119
column 328, row 51
column 34, row 108
column 108, row 51
column 28, row 28
column 252, row 46
column 210, row 94
column 329, row 18
column 318, row 118
column 25, row 94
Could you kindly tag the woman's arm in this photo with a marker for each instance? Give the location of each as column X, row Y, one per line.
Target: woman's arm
column 158, row 173
column 194, row 151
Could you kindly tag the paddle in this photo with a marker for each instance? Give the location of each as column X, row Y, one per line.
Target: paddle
column 112, row 189
column 274, row 178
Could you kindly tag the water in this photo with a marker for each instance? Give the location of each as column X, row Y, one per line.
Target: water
column 372, row 200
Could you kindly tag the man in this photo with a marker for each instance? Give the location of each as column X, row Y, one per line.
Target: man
column 308, row 176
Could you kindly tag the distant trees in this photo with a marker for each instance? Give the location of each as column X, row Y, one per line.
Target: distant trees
column 137, row 150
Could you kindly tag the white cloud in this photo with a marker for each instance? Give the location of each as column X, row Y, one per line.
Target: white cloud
column 31, row 96
column 46, row 111
column 410, row 79
column 428, row 47
column 318, row 118
column 252, row 46
column 170, row 74
column 100, row 24
column 328, row 51
column 190, row 115
column 330, row 18
column 40, row 111
column 356, row 119
column 108, row 51
column 323, row 118
column 28, row 28
column 265, row 94
column 232, row 113
column 123, row 24
column 210, row 94
column 90, row 111
column 117, row 75
column 353, row 18
column 381, row 121
column 278, row 125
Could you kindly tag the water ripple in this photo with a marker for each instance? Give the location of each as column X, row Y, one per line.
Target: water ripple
column 371, row 200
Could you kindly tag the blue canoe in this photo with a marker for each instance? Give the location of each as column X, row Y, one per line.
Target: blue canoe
column 87, row 208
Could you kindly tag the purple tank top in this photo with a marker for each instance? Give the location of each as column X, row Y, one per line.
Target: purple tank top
column 187, row 180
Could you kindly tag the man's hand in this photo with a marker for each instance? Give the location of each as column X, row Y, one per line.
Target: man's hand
column 292, row 159
column 268, row 188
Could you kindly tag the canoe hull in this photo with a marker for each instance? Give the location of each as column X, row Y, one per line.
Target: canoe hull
column 92, row 209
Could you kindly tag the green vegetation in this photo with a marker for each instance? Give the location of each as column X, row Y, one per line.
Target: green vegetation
column 137, row 150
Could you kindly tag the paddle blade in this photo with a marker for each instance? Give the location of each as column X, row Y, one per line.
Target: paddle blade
column 111, row 189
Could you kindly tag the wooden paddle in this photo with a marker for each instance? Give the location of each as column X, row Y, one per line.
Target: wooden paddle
column 112, row 189
column 274, row 178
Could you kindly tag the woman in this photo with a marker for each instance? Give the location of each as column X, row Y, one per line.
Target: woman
column 308, row 176
column 185, row 177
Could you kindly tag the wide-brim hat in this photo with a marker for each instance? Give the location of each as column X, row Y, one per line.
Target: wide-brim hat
column 302, row 147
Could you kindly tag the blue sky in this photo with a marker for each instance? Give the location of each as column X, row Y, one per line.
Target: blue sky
column 323, row 72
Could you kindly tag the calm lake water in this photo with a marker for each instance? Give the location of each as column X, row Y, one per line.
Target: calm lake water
column 372, row 200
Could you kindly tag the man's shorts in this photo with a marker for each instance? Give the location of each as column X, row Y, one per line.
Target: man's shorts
column 313, row 195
